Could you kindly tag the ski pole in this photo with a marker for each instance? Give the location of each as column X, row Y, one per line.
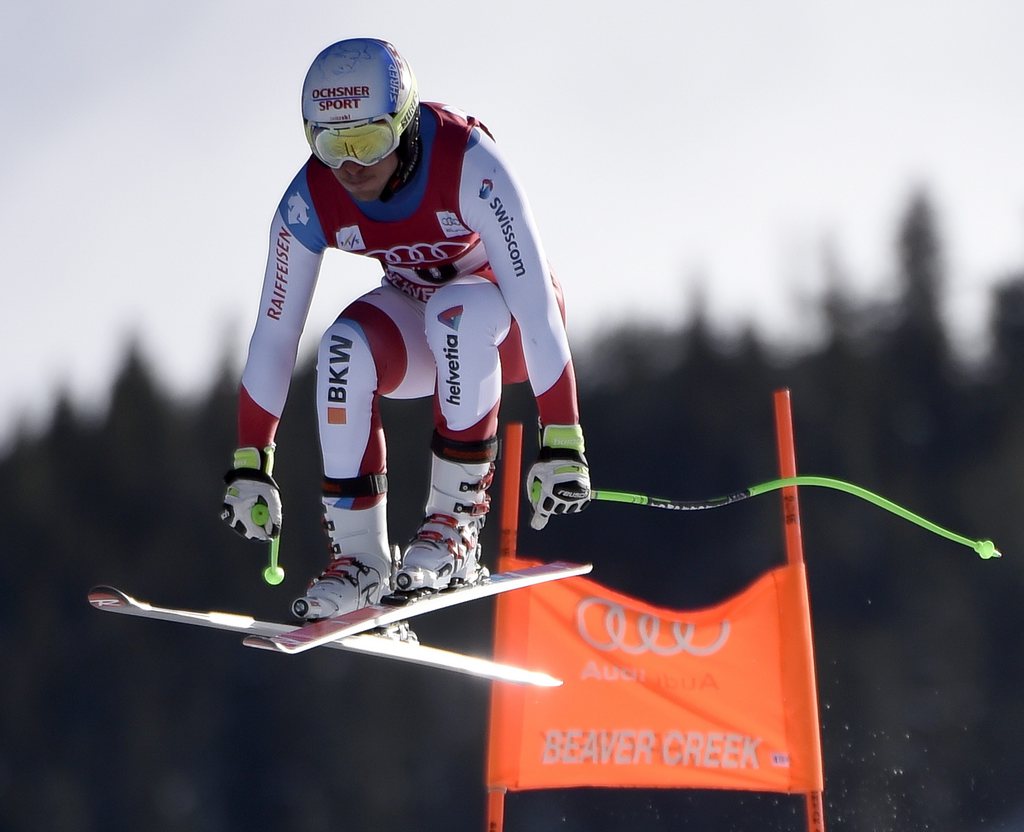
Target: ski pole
column 985, row 548
column 273, row 574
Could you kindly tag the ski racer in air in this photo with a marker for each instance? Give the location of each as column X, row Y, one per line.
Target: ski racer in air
column 467, row 303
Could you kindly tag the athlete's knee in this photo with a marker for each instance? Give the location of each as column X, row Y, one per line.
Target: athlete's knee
column 368, row 332
column 338, row 343
column 473, row 309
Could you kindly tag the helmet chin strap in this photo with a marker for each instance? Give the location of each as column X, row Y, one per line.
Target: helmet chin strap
column 410, row 150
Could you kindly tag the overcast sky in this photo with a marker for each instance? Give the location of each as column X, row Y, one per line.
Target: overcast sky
column 665, row 147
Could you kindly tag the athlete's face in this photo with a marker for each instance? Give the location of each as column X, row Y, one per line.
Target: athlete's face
column 366, row 182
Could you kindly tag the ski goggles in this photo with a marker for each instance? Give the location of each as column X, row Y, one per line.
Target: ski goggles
column 365, row 144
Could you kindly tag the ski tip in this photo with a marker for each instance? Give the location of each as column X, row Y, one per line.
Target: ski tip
column 108, row 598
column 575, row 568
column 262, row 643
column 275, row 644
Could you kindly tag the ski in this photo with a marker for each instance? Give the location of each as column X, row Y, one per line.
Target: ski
column 329, row 630
column 109, row 599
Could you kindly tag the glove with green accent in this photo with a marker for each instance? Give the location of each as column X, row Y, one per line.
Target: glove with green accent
column 252, row 501
column 559, row 481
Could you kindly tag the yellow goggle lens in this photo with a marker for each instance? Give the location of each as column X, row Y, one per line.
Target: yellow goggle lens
column 365, row 144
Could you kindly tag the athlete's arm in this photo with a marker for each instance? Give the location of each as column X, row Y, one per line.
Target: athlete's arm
column 293, row 265
column 493, row 205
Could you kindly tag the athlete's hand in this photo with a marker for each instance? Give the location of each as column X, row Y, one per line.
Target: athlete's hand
column 559, row 481
column 252, row 500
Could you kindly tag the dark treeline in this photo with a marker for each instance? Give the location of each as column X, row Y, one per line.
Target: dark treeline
column 119, row 724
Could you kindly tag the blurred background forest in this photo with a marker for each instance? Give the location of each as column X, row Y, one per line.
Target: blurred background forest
column 117, row 724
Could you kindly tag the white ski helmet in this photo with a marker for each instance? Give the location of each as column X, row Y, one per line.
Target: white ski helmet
column 358, row 99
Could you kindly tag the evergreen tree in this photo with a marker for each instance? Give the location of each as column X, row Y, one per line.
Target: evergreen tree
column 118, row 725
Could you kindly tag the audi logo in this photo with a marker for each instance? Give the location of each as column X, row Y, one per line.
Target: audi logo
column 419, row 253
column 643, row 633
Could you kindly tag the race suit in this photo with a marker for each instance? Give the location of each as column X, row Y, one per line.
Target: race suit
column 466, row 302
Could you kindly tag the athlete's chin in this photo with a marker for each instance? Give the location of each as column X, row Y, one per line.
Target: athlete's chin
column 363, row 191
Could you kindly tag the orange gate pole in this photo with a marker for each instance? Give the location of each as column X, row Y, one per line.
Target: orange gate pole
column 512, row 454
column 815, row 803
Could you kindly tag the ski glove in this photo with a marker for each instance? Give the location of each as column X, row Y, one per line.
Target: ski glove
column 559, row 481
column 252, row 501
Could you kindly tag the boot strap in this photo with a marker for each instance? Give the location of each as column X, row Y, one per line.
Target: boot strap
column 454, row 450
column 474, row 509
column 368, row 485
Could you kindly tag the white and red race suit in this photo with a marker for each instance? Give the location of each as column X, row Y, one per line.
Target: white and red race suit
column 467, row 302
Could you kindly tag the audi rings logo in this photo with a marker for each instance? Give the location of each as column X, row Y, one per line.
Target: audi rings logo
column 419, row 254
column 607, row 626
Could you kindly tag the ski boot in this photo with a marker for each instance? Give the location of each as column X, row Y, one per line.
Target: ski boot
column 359, row 571
column 445, row 551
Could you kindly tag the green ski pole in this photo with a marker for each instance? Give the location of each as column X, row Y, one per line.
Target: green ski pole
column 984, row 548
column 273, row 574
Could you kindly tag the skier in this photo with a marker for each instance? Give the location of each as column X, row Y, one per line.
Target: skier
column 466, row 303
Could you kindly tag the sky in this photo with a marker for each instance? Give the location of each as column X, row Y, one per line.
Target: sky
column 669, row 150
